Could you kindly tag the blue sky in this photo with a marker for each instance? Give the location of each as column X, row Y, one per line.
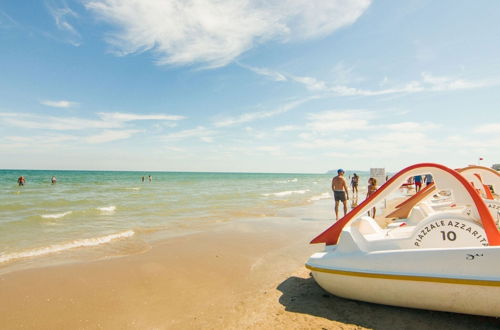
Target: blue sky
column 251, row 86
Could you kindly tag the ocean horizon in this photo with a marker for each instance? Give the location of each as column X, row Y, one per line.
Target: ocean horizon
column 328, row 172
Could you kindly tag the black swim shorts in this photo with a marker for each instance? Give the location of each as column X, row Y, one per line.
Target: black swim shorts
column 339, row 195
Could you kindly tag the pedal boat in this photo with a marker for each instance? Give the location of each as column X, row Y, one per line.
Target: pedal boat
column 446, row 259
column 429, row 199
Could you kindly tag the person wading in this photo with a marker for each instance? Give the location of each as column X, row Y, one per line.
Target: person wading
column 340, row 192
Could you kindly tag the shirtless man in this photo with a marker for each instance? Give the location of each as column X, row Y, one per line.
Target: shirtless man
column 340, row 192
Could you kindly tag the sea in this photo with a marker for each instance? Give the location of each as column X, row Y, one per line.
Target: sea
column 91, row 215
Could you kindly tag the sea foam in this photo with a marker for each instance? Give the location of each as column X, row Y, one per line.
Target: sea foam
column 325, row 195
column 86, row 242
column 56, row 215
column 286, row 193
column 288, row 181
column 107, row 209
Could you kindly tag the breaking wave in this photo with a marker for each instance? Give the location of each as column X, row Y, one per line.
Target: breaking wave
column 324, row 195
column 86, row 242
column 107, row 209
column 286, row 193
column 288, row 181
column 56, row 215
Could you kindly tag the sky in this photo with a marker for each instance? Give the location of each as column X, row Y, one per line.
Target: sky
column 302, row 86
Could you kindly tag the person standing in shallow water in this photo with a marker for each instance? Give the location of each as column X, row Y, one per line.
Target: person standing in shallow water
column 354, row 186
column 21, row 181
column 53, row 180
column 340, row 192
column 354, row 183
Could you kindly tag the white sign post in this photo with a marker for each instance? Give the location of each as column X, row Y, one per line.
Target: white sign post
column 378, row 174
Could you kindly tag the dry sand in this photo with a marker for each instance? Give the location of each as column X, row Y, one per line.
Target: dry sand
column 242, row 275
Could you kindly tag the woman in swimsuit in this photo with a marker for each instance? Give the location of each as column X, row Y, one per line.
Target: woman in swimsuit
column 372, row 187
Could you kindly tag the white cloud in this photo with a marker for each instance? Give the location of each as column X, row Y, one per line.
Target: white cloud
column 311, row 83
column 107, row 121
column 207, row 139
column 111, row 135
column 124, row 117
column 493, row 128
column 335, row 154
column 336, row 120
column 374, row 145
column 175, row 149
column 394, row 143
column 427, row 83
column 271, row 149
column 287, row 128
column 252, row 116
column 408, row 126
column 216, row 32
column 448, row 83
column 336, row 131
column 45, row 143
column 202, row 133
column 274, row 75
column 61, row 14
column 53, row 123
column 471, row 145
column 246, row 117
column 59, row 104
column 41, row 139
column 320, row 143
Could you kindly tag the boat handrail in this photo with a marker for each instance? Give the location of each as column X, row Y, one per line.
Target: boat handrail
column 485, row 175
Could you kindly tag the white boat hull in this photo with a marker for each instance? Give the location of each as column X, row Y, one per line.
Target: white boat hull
column 459, row 296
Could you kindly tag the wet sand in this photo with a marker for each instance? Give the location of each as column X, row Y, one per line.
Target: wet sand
column 242, row 275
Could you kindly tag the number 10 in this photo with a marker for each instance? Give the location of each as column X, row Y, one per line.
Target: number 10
column 451, row 236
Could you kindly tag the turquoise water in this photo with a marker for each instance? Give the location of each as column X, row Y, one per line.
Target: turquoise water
column 104, row 213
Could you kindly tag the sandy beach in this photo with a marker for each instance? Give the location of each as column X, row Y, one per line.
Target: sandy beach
column 247, row 274
column 165, row 164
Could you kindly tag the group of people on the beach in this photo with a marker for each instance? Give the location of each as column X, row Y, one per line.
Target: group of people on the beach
column 417, row 180
column 341, row 191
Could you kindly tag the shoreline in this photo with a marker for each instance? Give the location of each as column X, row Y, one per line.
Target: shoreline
column 143, row 239
column 245, row 274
